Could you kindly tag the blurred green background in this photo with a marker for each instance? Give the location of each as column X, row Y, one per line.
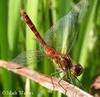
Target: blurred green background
column 15, row 37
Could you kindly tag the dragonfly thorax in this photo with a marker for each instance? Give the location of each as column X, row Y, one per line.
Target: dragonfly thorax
column 63, row 60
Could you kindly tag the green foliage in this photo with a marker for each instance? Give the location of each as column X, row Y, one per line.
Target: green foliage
column 16, row 37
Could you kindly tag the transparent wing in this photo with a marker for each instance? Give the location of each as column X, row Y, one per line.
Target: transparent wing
column 63, row 34
column 29, row 57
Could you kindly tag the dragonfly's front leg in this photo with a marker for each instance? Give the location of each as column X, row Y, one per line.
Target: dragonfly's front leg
column 57, row 71
column 61, row 84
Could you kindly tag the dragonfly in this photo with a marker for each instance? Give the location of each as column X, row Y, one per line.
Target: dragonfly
column 60, row 31
column 63, row 60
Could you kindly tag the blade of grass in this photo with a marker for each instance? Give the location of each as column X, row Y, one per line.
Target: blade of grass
column 4, row 47
column 81, row 50
column 30, row 41
column 13, row 25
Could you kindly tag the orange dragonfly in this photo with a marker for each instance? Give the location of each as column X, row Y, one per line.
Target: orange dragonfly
column 61, row 30
column 63, row 60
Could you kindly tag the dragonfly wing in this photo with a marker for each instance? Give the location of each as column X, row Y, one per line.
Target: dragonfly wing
column 63, row 34
column 28, row 57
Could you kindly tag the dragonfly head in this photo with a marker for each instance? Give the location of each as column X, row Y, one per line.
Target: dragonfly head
column 77, row 70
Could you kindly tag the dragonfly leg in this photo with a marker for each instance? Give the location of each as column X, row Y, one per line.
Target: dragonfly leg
column 81, row 85
column 73, row 79
column 53, row 74
column 69, row 77
column 60, row 83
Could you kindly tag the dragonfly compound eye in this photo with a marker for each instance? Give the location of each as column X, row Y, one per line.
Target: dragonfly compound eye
column 77, row 70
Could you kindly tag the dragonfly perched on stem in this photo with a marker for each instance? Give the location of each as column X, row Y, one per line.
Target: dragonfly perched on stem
column 63, row 60
column 67, row 24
